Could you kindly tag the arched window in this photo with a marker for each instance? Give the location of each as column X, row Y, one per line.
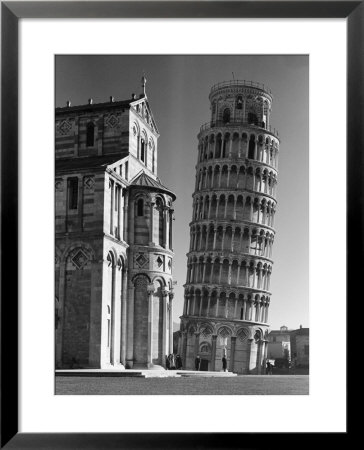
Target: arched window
column 90, row 135
column 140, row 207
column 239, row 102
column 142, row 150
column 226, row 115
column 252, row 118
column 251, row 147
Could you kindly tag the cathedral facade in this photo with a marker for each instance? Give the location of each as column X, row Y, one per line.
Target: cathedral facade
column 227, row 291
column 113, row 238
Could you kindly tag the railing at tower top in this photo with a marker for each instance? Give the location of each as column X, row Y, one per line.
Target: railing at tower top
column 246, row 83
column 237, row 123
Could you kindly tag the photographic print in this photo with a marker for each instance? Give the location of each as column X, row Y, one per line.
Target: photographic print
column 181, row 224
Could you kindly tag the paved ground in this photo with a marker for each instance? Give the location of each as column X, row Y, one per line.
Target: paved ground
column 240, row 385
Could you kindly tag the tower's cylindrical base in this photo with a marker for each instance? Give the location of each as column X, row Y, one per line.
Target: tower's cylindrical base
column 244, row 345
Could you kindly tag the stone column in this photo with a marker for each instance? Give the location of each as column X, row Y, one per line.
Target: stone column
column 217, row 305
column 185, row 306
column 171, row 295
column 197, row 343
column 184, row 349
column 266, row 313
column 194, row 304
column 238, row 275
column 257, row 312
column 229, row 273
column 130, row 328
column 204, row 271
column 166, row 227
column 239, row 146
column 220, row 273
column 164, row 326
column 232, row 239
column 213, row 352
column 150, row 291
column 250, row 309
column 230, row 145
column 232, row 353
column 111, row 215
column 244, row 309
column 215, row 235
column 62, row 286
column 170, row 236
column 259, row 355
column 250, row 342
column 201, row 301
column 123, row 316
column 208, row 304
column 228, row 174
column 226, row 306
column 151, row 214
column 126, row 214
column 120, row 217
column 209, row 210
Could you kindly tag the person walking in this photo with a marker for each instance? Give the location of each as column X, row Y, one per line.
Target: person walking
column 224, row 360
column 197, row 362
column 224, row 363
column 269, row 369
column 172, row 362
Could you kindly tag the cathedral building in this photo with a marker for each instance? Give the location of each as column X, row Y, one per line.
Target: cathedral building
column 113, row 238
column 227, row 291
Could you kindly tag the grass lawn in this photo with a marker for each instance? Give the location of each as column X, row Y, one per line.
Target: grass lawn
column 240, row 385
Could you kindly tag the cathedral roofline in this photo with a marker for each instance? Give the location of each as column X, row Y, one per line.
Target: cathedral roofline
column 95, row 106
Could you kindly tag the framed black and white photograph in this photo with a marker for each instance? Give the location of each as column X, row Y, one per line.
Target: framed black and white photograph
column 177, row 192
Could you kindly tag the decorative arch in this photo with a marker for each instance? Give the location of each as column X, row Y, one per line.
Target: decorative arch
column 140, row 277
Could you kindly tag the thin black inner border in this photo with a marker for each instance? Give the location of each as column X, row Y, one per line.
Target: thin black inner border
column 11, row 12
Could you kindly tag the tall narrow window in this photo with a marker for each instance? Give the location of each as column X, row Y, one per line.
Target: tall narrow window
column 226, row 115
column 140, row 207
column 90, row 137
column 142, row 150
column 126, row 169
column 239, row 102
column 251, row 151
column 72, row 193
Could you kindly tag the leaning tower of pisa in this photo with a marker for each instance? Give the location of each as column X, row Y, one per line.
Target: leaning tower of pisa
column 227, row 291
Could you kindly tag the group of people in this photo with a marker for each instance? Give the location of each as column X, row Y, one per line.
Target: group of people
column 198, row 363
column 173, row 362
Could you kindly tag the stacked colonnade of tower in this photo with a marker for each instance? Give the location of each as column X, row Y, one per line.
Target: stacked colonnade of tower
column 229, row 264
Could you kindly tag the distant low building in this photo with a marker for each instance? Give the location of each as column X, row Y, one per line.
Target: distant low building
column 279, row 345
column 300, row 346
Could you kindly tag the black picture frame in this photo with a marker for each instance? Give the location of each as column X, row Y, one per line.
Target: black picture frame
column 11, row 12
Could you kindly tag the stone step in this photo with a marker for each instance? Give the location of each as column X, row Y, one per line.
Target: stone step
column 206, row 374
column 99, row 373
